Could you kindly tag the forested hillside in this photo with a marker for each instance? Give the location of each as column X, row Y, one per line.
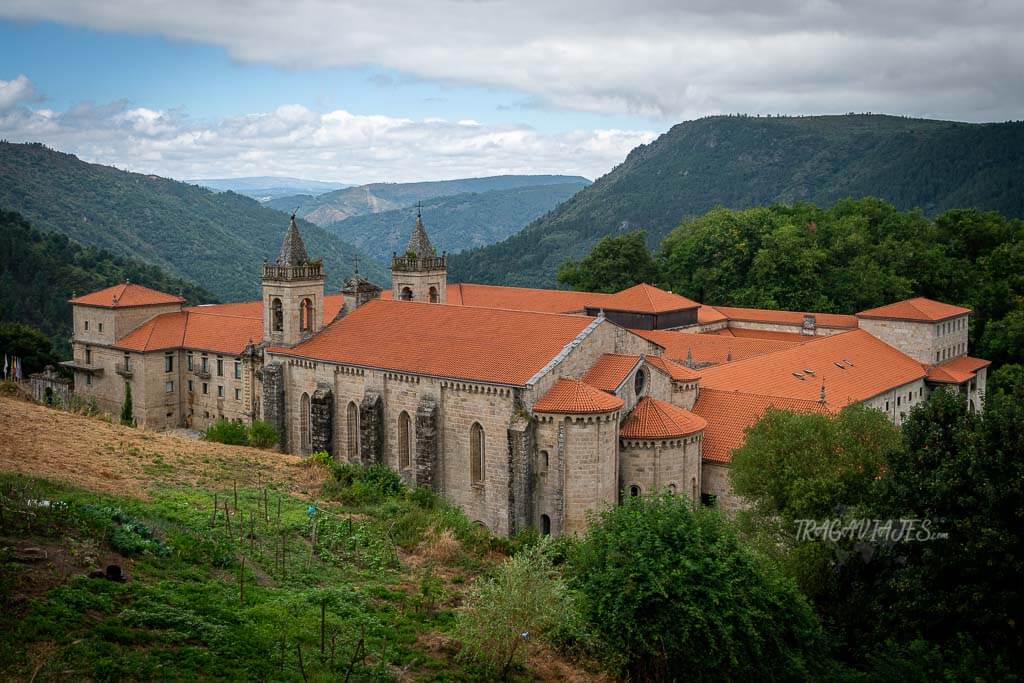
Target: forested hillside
column 40, row 271
column 741, row 162
column 458, row 222
column 332, row 207
column 217, row 240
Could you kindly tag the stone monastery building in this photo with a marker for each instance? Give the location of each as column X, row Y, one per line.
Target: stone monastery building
column 526, row 407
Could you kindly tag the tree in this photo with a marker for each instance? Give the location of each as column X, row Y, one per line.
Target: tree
column 614, row 264
column 1008, row 379
column 670, row 590
column 127, row 418
column 29, row 344
column 1003, row 339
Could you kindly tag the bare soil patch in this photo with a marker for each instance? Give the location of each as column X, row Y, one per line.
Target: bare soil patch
column 109, row 458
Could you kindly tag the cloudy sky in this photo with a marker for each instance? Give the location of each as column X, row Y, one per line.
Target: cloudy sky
column 359, row 91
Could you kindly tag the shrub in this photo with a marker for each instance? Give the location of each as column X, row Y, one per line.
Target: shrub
column 226, row 431
column 669, row 589
column 262, row 434
column 521, row 601
column 127, row 415
column 358, row 485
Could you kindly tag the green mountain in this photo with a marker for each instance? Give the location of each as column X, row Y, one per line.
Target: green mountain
column 40, row 271
column 217, row 240
column 332, row 207
column 741, row 162
column 265, row 188
column 458, row 222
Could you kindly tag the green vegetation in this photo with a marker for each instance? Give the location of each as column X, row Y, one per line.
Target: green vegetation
column 455, row 222
column 127, row 414
column 668, row 588
column 216, row 240
column 26, row 342
column 616, row 263
column 40, row 271
column 934, row 593
column 331, row 207
column 741, row 162
column 259, row 434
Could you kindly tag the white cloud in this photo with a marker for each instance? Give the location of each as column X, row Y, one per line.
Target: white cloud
column 15, row 92
column 296, row 141
column 675, row 59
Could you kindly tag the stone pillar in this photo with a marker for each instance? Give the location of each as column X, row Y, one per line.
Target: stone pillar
column 273, row 400
column 321, row 417
column 558, row 502
column 520, row 475
column 426, row 442
column 371, row 428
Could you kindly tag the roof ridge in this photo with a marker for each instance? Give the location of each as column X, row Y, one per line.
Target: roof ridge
column 560, row 356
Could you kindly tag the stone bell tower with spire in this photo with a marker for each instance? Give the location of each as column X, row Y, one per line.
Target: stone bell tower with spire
column 293, row 293
column 419, row 274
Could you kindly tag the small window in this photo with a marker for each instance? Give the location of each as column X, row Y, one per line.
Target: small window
column 910, row 396
column 205, row 363
column 634, row 491
column 920, row 392
column 708, row 500
column 168, row 362
column 898, row 400
column 191, row 364
column 277, row 315
column 220, row 366
column 886, row 406
column 639, row 381
column 206, row 388
column 169, row 387
column 544, row 461
column 101, row 327
column 406, row 294
column 88, row 356
column 88, row 380
column 433, row 295
column 86, row 325
column 238, row 369
column 191, row 386
column 238, row 394
column 545, row 525
column 220, row 391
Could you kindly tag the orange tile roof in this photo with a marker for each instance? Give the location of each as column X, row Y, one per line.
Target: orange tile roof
column 762, row 315
column 876, row 368
column 610, row 371
column 460, row 342
column 707, row 315
column 520, row 298
column 573, row 396
column 254, row 309
column 654, row 419
column 645, row 298
column 920, row 308
column 125, row 296
column 711, row 348
column 679, row 373
column 729, row 414
column 762, row 334
column 957, row 371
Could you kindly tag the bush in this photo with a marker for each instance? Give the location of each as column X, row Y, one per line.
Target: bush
column 524, row 599
column 226, row 431
column 355, row 484
column 668, row 589
column 262, row 434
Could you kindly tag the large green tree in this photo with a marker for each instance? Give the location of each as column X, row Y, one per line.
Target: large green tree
column 614, row 264
column 27, row 343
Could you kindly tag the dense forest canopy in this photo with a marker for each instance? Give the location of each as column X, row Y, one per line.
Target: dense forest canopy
column 40, row 271
column 856, row 255
column 741, row 162
column 216, row 240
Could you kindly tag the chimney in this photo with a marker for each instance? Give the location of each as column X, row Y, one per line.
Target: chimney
column 809, row 326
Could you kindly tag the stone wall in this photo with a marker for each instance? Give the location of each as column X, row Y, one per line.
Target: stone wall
column 926, row 342
column 273, row 400
column 321, row 417
column 427, row 442
column 371, row 428
column 668, row 464
column 715, row 481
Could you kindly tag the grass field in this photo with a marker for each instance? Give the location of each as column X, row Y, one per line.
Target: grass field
column 239, row 563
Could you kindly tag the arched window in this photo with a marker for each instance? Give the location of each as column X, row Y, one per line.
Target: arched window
column 543, row 461
column 404, row 441
column 352, row 430
column 693, row 487
column 672, row 489
column 304, row 422
column 639, row 382
column 406, row 294
column 476, row 453
column 634, row 491
column 545, row 525
column 277, row 315
column 433, row 295
column 306, row 315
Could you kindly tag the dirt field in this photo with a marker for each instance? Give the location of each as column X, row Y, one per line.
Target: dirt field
column 108, row 458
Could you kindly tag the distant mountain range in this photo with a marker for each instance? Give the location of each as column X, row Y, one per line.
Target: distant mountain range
column 740, row 162
column 266, row 188
column 332, row 207
column 455, row 222
column 216, row 240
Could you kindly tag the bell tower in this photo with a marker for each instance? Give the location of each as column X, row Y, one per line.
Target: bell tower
column 419, row 274
column 293, row 293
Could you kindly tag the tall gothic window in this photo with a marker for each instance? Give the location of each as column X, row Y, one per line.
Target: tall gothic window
column 306, row 315
column 304, row 422
column 433, row 295
column 277, row 315
column 352, row 430
column 476, row 453
column 404, row 440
